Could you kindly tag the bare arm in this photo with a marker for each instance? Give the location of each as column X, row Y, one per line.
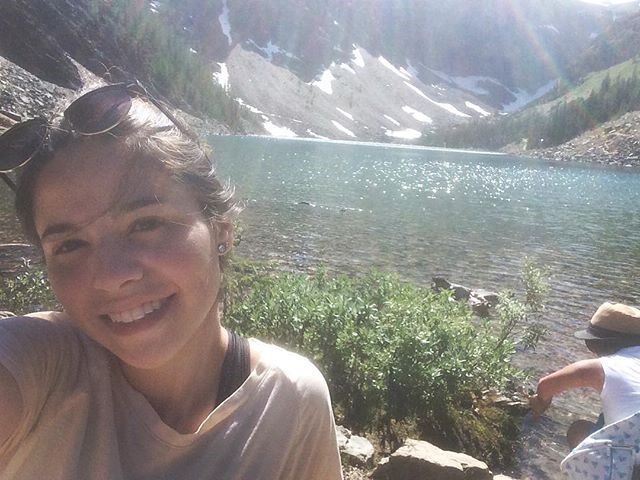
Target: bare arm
column 585, row 373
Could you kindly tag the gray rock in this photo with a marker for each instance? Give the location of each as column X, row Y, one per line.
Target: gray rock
column 342, row 435
column 422, row 460
column 473, row 468
column 486, row 295
column 460, row 292
column 354, row 450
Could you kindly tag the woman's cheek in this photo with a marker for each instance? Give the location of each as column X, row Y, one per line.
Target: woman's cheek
column 68, row 273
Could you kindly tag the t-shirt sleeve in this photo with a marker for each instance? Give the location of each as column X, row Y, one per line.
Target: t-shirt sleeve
column 316, row 456
column 36, row 353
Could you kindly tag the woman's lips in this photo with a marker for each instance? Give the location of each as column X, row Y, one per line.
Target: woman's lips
column 139, row 318
column 138, row 312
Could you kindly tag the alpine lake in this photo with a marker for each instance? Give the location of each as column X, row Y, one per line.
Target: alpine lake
column 470, row 217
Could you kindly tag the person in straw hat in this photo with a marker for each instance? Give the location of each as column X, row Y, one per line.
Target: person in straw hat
column 613, row 335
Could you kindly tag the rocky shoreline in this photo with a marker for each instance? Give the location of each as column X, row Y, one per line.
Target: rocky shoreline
column 614, row 143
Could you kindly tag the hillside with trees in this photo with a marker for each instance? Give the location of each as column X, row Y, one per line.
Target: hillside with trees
column 601, row 85
column 553, row 123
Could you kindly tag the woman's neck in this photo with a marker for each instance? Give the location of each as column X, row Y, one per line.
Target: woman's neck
column 183, row 392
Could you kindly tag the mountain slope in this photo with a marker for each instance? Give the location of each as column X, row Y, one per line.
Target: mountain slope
column 366, row 69
column 365, row 97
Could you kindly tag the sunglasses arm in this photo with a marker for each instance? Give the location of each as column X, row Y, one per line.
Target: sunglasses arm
column 8, row 181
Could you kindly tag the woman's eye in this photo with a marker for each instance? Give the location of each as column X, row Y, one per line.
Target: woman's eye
column 68, row 246
column 147, row 224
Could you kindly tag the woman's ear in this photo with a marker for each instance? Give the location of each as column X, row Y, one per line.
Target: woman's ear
column 223, row 237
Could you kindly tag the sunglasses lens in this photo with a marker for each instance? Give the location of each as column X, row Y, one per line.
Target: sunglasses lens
column 99, row 110
column 20, row 143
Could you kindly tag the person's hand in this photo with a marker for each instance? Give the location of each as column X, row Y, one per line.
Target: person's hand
column 538, row 405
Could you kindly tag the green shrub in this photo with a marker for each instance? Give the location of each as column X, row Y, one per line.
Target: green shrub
column 26, row 292
column 393, row 353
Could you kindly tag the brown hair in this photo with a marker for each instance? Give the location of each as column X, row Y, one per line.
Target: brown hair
column 147, row 133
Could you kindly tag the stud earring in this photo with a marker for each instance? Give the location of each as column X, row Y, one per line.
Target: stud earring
column 222, row 248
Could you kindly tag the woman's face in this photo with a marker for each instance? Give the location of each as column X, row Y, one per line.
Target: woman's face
column 129, row 254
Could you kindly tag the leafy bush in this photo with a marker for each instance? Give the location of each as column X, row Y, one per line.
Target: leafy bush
column 26, row 292
column 393, row 353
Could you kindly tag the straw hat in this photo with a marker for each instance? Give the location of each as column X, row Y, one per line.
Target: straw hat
column 612, row 321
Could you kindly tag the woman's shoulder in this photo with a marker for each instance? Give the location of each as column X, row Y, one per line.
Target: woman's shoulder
column 287, row 367
column 37, row 338
column 37, row 324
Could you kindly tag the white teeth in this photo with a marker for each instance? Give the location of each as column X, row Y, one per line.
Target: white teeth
column 136, row 313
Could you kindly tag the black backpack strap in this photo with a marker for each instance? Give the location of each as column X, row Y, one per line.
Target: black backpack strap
column 236, row 367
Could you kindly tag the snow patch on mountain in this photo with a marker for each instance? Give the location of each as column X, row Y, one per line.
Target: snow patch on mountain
column 222, row 77
column 406, row 134
column 251, row 108
column 472, row 83
column 477, row 108
column 402, row 74
column 312, row 134
column 271, row 49
column 224, row 21
column 392, row 120
column 346, row 114
column 276, row 131
column 325, row 82
column 343, row 129
column 523, row 97
column 347, row 67
column 358, row 60
column 445, row 106
column 419, row 116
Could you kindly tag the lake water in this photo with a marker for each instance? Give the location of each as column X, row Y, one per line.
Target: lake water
column 470, row 217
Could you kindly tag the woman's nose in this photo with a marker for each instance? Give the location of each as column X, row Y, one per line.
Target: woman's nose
column 115, row 265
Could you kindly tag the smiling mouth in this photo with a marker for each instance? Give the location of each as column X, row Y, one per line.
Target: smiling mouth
column 137, row 313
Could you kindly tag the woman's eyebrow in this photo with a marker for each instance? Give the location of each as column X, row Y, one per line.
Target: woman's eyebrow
column 67, row 227
column 140, row 203
column 57, row 229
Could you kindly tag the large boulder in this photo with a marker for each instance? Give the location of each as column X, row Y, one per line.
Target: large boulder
column 420, row 460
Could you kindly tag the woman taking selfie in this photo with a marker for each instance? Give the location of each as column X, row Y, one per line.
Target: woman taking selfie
column 136, row 378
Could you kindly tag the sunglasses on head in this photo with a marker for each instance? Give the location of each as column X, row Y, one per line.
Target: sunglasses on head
column 95, row 112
